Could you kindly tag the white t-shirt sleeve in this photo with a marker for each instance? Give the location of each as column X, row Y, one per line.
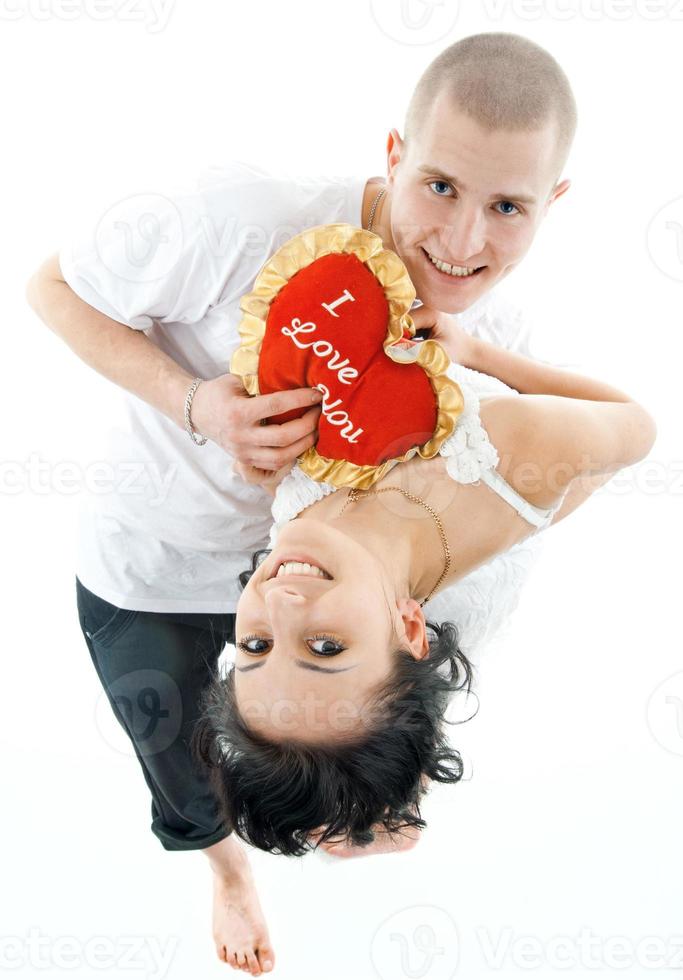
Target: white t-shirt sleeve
column 147, row 257
column 505, row 325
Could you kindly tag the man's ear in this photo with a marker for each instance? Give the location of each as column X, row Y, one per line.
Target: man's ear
column 394, row 152
column 414, row 628
column 561, row 189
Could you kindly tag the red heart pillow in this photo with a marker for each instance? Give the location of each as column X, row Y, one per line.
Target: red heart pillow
column 330, row 310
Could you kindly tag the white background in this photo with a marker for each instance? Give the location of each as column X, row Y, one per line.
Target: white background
column 570, row 824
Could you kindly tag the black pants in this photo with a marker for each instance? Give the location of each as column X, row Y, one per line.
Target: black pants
column 153, row 667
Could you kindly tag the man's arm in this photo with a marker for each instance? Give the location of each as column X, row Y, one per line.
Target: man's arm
column 221, row 409
column 125, row 356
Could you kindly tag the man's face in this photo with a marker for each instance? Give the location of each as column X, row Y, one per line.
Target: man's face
column 470, row 197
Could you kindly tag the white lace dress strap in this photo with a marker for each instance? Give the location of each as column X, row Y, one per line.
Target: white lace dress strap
column 295, row 493
column 470, row 456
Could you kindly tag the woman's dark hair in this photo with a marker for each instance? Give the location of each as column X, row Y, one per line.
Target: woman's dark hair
column 274, row 794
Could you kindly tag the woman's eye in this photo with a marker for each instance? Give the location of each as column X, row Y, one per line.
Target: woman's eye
column 326, row 652
column 322, row 651
column 509, row 204
column 244, row 644
column 440, row 183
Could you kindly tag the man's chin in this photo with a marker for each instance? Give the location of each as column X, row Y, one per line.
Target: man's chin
column 446, row 299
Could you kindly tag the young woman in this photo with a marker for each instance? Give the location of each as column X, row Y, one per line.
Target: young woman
column 332, row 721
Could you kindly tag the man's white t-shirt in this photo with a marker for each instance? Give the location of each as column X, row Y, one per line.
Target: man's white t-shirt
column 179, row 524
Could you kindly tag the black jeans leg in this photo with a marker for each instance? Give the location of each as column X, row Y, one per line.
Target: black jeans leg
column 153, row 668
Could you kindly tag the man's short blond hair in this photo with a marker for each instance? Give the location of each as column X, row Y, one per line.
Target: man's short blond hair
column 502, row 81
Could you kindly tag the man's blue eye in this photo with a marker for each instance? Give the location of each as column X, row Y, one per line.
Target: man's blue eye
column 443, row 184
column 511, row 205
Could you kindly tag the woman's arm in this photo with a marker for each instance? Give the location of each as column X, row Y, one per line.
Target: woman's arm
column 531, row 377
column 547, row 441
column 578, row 492
column 564, row 428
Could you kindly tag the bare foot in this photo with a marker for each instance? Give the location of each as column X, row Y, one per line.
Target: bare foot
column 239, row 927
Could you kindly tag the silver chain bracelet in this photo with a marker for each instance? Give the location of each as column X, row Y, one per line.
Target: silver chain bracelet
column 188, row 422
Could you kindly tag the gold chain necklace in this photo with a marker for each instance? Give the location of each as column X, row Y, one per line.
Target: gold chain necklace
column 372, row 209
column 354, row 495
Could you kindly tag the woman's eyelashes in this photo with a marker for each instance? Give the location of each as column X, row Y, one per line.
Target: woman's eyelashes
column 323, row 638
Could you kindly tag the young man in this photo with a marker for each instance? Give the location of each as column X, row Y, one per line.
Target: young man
column 150, row 299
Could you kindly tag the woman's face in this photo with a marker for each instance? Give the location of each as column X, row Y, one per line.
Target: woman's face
column 311, row 649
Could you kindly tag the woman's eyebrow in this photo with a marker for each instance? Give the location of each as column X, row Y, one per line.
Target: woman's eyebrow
column 306, row 666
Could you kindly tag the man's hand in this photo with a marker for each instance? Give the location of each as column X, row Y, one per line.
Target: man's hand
column 444, row 328
column 384, row 843
column 267, row 479
column 225, row 413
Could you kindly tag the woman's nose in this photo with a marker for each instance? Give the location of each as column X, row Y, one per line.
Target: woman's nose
column 284, row 597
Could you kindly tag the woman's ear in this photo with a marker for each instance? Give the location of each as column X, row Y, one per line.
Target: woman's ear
column 414, row 628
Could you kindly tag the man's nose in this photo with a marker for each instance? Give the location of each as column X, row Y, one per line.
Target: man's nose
column 466, row 236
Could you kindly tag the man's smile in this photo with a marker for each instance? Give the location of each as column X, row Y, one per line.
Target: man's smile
column 453, row 272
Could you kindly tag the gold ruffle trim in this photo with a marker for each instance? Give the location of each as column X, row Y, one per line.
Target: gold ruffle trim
column 386, row 266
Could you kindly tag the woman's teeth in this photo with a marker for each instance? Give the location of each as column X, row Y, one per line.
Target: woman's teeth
column 452, row 270
column 299, row 568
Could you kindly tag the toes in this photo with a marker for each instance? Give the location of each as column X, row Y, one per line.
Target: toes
column 266, row 958
column 253, row 964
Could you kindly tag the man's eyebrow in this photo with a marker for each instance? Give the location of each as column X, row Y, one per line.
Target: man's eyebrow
column 427, row 168
column 306, row 665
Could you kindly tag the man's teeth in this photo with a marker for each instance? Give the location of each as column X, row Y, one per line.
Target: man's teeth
column 299, row 568
column 452, row 270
